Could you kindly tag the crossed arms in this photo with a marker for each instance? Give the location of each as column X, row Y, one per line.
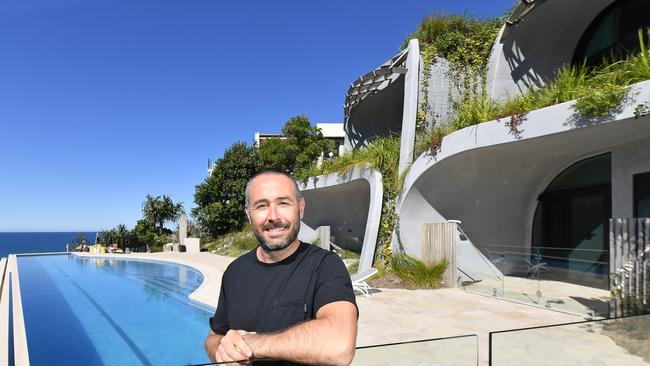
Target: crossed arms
column 327, row 340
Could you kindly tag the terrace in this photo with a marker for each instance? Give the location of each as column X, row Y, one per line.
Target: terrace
column 408, row 327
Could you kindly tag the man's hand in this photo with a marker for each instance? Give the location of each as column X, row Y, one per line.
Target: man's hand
column 327, row 340
column 230, row 347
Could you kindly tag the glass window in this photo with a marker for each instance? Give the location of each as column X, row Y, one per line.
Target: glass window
column 613, row 32
column 642, row 195
column 585, row 173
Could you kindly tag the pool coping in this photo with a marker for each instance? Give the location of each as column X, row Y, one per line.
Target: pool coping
column 4, row 315
column 21, row 353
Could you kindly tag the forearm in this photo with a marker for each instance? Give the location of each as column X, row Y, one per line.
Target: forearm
column 212, row 342
column 325, row 341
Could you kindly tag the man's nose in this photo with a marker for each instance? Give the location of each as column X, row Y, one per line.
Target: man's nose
column 273, row 213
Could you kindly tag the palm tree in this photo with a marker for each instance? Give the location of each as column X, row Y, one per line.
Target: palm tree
column 105, row 237
column 121, row 235
column 160, row 209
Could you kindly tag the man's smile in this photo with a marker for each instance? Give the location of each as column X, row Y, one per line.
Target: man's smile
column 277, row 231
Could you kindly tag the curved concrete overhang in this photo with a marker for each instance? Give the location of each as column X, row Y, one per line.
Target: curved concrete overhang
column 376, row 116
column 384, row 103
column 527, row 53
column 351, row 205
column 489, row 176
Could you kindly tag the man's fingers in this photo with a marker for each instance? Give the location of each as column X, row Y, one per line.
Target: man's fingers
column 234, row 347
column 223, row 356
column 243, row 348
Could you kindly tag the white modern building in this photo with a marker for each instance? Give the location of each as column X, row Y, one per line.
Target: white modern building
column 546, row 190
column 331, row 131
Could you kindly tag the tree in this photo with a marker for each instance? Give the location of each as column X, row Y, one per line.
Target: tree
column 144, row 233
column 220, row 198
column 161, row 209
column 107, row 236
column 300, row 149
column 122, row 235
column 81, row 239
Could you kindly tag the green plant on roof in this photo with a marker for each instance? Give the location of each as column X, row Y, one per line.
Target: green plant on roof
column 599, row 92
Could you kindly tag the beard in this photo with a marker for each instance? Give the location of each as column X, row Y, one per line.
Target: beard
column 274, row 245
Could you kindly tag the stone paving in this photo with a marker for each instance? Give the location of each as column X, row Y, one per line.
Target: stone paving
column 397, row 315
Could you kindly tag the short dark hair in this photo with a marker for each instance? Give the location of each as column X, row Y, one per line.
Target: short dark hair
column 271, row 171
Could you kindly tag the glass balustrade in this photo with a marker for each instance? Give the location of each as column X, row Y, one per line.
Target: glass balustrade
column 456, row 351
column 574, row 280
column 620, row 341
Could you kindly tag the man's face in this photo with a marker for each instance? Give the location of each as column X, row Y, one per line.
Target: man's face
column 274, row 211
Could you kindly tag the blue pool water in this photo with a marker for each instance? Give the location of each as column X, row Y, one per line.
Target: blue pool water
column 94, row 311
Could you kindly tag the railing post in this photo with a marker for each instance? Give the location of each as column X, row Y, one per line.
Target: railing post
column 628, row 265
column 646, row 262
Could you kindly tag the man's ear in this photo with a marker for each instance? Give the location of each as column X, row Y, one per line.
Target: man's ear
column 302, row 207
column 248, row 216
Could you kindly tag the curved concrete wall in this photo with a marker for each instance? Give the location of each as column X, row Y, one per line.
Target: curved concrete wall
column 528, row 53
column 378, row 115
column 351, row 205
column 489, row 177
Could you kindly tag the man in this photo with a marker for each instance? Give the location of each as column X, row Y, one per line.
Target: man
column 284, row 300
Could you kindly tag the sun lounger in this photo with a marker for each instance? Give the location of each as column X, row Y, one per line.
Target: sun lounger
column 359, row 281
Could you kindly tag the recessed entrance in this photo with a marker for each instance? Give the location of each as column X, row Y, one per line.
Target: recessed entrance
column 570, row 230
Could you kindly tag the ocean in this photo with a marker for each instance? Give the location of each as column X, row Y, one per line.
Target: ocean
column 14, row 243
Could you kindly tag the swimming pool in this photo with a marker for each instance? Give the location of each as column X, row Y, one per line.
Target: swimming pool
column 95, row 311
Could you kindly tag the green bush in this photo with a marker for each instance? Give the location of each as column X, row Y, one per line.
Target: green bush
column 599, row 92
column 245, row 243
column 234, row 243
column 471, row 111
column 155, row 248
column 463, row 40
column 601, row 101
column 416, row 272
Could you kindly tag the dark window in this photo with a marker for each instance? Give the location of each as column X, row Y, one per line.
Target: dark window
column 570, row 229
column 614, row 32
column 642, row 195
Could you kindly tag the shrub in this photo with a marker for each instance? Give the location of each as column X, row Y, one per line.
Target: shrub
column 474, row 110
column 416, row 272
column 430, row 140
column 601, row 101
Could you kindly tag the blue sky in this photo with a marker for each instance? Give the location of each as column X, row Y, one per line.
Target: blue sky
column 103, row 102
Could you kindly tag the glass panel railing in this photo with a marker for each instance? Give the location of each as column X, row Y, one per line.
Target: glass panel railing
column 457, row 351
column 621, row 341
column 574, row 280
column 451, row 351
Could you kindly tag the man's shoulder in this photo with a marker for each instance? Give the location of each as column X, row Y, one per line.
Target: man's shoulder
column 320, row 255
column 244, row 261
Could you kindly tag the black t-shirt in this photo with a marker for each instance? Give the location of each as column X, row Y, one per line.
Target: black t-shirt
column 262, row 297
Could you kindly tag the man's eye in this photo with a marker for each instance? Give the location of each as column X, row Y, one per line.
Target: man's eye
column 260, row 207
column 284, row 204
